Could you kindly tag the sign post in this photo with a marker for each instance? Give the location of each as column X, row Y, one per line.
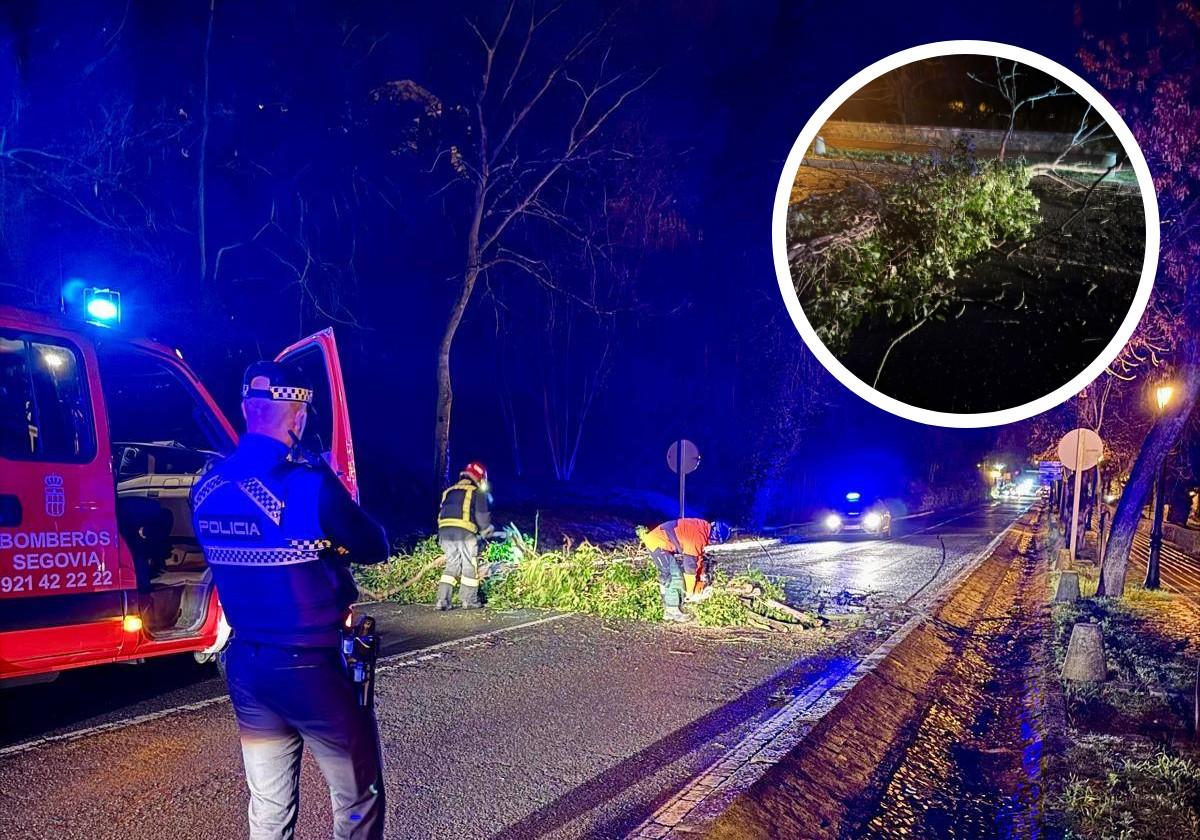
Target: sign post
column 682, row 457
column 1079, row 451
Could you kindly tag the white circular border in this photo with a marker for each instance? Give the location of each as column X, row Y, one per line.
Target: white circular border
column 784, row 274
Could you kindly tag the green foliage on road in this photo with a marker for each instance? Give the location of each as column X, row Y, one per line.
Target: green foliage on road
column 896, row 249
column 407, row 578
column 618, row 583
column 585, row 578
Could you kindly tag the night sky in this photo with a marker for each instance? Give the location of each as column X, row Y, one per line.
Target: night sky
column 701, row 342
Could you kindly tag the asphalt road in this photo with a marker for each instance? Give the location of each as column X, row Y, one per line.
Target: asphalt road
column 883, row 573
column 513, row 725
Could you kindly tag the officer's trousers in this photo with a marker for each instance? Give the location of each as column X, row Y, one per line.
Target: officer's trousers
column 462, row 569
column 285, row 698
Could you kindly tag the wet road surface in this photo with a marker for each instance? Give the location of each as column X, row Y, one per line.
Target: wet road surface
column 890, row 572
column 565, row 727
column 87, row 698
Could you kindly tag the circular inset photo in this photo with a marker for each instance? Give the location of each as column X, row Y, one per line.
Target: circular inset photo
column 966, row 233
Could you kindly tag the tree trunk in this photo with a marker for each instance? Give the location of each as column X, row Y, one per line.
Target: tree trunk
column 202, row 161
column 1155, row 448
column 445, row 393
column 1012, row 122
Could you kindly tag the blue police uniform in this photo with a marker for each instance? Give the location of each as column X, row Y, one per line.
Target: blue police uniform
column 278, row 536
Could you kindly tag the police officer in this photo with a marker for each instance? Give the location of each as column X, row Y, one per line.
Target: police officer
column 463, row 519
column 279, row 535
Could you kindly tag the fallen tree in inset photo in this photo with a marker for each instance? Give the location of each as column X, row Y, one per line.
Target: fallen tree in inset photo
column 896, row 247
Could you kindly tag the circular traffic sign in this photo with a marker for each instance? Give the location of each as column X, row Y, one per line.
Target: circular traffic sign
column 690, row 456
column 1080, row 449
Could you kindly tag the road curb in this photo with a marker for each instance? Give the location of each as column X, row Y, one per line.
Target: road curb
column 691, row 811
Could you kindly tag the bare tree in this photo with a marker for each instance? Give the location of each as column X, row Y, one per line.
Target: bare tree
column 1008, row 84
column 569, row 390
column 531, row 87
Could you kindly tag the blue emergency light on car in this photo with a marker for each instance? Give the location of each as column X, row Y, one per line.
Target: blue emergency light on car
column 853, row 497
column 103, row 306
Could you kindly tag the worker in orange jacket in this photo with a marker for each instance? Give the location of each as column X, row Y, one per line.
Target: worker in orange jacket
column 677, row 551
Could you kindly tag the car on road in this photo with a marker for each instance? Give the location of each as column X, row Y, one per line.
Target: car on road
column 856, row 517
column 102, row 436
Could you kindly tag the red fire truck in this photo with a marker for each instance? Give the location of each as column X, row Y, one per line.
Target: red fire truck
column 101, row 438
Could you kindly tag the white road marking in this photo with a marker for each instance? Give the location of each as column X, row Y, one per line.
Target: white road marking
column 404, row 659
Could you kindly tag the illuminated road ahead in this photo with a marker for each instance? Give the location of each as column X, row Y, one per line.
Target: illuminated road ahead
column 888, row 571
column 506, row 726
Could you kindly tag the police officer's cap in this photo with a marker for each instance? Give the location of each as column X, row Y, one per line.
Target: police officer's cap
column 273, row 381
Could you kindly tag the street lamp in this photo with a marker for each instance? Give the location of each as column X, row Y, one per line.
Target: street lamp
column 1162, row 398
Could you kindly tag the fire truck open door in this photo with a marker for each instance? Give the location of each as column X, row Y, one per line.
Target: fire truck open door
column 327, row 431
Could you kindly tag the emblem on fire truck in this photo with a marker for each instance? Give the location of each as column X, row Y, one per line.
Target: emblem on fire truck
column 56, row 496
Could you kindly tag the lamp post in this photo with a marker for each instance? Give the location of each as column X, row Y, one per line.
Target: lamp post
column 1162, row 398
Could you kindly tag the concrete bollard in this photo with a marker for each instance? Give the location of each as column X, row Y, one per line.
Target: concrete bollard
column 1068, row 588
column 1085, row 655
column 819, row 146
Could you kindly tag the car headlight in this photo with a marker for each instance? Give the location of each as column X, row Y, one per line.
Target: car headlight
column 872, row 521
column 833, row 522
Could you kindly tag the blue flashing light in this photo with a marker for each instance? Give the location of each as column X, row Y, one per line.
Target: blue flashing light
column 103, row 306
column 853, row 497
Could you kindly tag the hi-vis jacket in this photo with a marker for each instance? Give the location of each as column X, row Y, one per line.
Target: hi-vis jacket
column 464, row 509
column 680, row 536
column 279, row 536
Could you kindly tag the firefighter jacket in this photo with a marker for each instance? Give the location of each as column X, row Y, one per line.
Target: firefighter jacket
column 680, row 536
column 464, row 510
column 278, row 536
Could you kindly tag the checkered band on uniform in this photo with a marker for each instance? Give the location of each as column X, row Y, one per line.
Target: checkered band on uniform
column 221, row 556
column 206, row 489
column 267, row 502
column 284, row 392
column 310, row 545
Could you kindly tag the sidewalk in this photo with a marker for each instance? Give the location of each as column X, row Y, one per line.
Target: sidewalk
column 1179, row 571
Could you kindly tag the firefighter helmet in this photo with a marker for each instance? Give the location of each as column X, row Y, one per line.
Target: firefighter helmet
column 475, row 471
column 718, row 532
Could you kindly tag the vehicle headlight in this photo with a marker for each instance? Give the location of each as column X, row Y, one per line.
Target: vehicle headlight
column 872, row 521
column 833, row 522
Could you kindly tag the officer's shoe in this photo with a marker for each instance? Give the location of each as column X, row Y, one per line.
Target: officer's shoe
column 676, row 615
column 442, row 606
column 475, row 606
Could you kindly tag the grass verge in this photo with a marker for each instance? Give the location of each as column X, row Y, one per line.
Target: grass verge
column 1129, row 766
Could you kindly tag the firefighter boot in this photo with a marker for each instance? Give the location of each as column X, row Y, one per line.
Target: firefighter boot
column 469, row 595
column 445, row 592
column 468, row 590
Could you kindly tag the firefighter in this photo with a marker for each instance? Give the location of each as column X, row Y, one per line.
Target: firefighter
column 464, row 520
column 278, row 535
column 677, row 551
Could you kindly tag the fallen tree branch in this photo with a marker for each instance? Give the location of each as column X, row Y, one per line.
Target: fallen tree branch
column 895, row 341
column 436, row 563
